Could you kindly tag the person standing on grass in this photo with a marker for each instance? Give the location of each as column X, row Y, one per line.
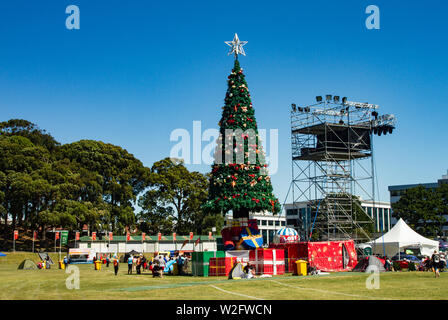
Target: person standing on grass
column 130, row 261
column 139, row 261
column 435, row 259
column 116, row 264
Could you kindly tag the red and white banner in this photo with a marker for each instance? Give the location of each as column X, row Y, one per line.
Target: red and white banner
column 159, row 236
column 93, row 236
column 128, row 236
column 16, row 234
column 174, row 236
column 77, row 236
column 191, row 235
column 111, row 236
column 143, row 236
column 56, row 235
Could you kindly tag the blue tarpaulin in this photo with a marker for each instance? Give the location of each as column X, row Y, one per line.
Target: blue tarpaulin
column 2, row 254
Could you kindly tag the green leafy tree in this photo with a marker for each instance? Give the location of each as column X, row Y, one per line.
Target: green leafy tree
column 422, row 209
column 118, row 175
column 175, row 194
column 239, row 179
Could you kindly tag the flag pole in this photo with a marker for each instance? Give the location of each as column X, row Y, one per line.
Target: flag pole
column 60, row 246
column 14, row 240
column 33, row 241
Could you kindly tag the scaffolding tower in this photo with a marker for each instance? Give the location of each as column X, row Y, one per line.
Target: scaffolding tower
column 333, row 166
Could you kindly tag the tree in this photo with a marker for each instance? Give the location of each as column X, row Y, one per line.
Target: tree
column 422, row 209
column 20, row 127
column 176, row 195
column 239, row 178
column 119, row 177
column 357, row 223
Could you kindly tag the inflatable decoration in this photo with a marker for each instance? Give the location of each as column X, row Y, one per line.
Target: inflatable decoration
column 286, row 235
column 250, row 238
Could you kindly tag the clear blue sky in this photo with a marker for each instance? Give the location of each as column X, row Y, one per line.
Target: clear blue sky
column 136, row 70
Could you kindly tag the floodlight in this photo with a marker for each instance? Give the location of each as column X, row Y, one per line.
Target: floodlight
column 336, row 98
column 293, row 106
column 319, row 98
column 344, row 100
column 328, row 97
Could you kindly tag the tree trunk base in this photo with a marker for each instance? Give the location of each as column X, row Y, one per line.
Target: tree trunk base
column 243, row 213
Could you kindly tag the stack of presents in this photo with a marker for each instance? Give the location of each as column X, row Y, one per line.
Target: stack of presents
column 243, row 244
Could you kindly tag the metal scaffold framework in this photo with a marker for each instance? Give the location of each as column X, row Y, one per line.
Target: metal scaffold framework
column 333, row 165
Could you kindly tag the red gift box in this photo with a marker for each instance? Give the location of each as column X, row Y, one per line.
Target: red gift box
column 220, row 266
column 268, row 261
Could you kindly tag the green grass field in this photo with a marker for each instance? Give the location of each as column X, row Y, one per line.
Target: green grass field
column 103, row 284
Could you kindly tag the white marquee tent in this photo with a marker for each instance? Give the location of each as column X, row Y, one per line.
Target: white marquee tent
column 400, row 237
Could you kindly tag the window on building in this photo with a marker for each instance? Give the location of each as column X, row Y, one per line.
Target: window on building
column 270, row 223
column 265, row 235
column 277, row 223
column 263, row 222
column 283, row 223
column 292, row 222
column 271, row 236
column 291, row 212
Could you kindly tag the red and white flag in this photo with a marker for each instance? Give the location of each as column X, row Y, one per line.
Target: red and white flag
column 35, row 235
column 191, row 235
column 128, row 236
column 16, row 234
column 56, row 235
column 197, row 241
column 77, row 236
column 143, row 236
column 159, row 236
column 93, row 236
column 111, row 236
column 174, row 236
column 210, row 237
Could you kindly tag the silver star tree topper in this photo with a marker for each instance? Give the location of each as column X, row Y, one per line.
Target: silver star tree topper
column 236, row 46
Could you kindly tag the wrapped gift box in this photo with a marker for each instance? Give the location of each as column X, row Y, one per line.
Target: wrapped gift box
column 268, row 261
column 200, row 261
column 240, row 255
column 221, row 266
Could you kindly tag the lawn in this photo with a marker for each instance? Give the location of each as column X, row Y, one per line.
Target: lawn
column 103, row 284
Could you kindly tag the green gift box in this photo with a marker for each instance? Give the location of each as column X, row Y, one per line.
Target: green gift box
column 200, row 261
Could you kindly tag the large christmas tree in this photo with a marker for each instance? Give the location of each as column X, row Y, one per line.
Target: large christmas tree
column 239, row 179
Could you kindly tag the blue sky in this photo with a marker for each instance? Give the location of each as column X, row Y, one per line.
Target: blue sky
column 135, row 71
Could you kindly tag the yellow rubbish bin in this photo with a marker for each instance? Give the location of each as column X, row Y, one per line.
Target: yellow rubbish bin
column 301, row 267
column 97, row 265
column 61, row 264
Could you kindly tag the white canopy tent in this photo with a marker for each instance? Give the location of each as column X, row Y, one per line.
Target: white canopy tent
column 400, row 237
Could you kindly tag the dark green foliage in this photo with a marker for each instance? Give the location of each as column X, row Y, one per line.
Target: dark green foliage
column 173, row 202
column 236, row 183
column 396, row 266
column 45, row 185
column 411, row 266
column 423, row 209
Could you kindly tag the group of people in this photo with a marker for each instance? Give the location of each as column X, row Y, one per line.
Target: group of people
column 434, row 263
column 139, row 263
